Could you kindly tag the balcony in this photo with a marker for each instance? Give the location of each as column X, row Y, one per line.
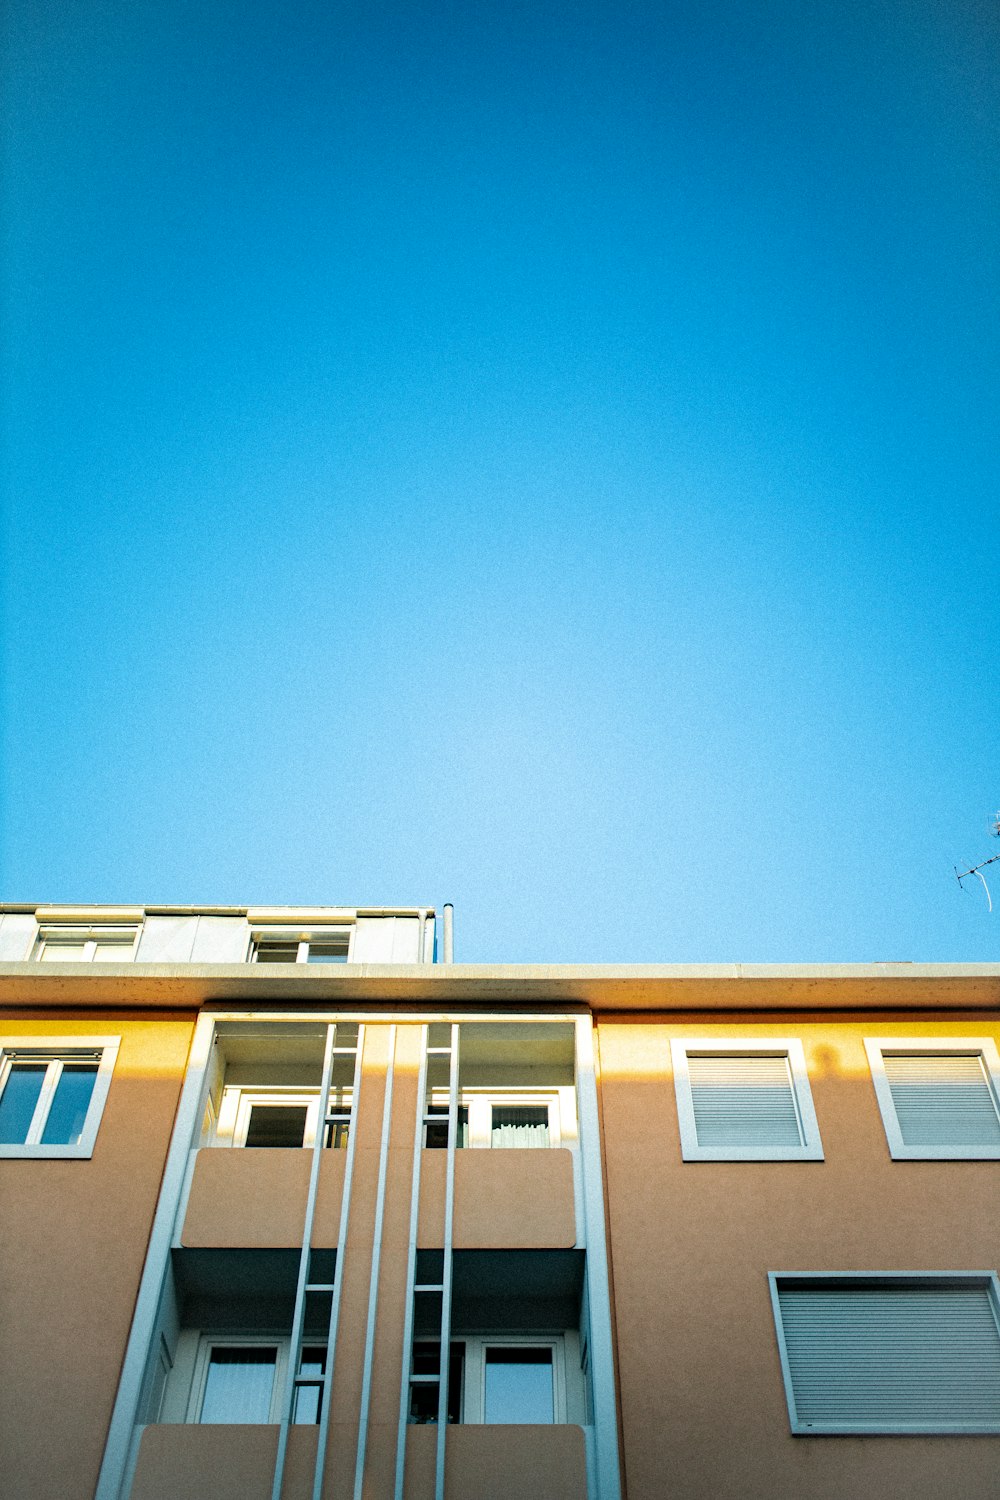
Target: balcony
column 237, row 1462
column 516, row 1134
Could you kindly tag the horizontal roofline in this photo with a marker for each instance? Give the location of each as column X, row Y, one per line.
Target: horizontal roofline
column 68, row 912
column 611, row 987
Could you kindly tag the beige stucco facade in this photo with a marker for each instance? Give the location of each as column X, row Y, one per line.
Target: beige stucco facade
column 702, row 1403
column 74, row 1237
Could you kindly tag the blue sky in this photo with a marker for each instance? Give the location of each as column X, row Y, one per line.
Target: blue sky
column 537, row 456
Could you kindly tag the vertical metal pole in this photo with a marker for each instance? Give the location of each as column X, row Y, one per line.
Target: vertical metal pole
column 366, row 1374
column 298, row 1318
column 446, row 1278
column 338, row 1279
column 598, row 1290
column 448, row 933
column 411, row 1267
column 116, row 1450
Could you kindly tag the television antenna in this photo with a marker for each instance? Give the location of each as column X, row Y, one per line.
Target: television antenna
column 977, row 870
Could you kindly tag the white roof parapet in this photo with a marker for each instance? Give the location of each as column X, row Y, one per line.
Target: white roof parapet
column 94, row 911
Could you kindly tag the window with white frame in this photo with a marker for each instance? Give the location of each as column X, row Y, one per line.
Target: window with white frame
column 102, row 944
column 331, row 945
column 52, row 1094
column 893, row 1353
column 240, row 1378
column 522, row 1119
column 940, row 1100
column 258, row 1117
column 500, row 1379
column 744, row 1101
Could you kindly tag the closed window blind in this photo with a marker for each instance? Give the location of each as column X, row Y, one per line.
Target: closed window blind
column 892, row 1357
column 942, row 1099
column 743, row 1101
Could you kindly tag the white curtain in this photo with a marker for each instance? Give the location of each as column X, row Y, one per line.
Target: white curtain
column 239, row 1385
column 520, row 1126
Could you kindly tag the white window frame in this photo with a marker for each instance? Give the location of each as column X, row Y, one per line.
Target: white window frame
column 983, row 1047
column 790, row 1048
column 230, row 1129
column 304, row 939
column 874, row 1278
column 55, row 1052
column 210, row 1341
column 279, row 1342
column 563, row 1347
column 474, row 1370
column 91, row 937
column 249, row 1099
column 480, row 1103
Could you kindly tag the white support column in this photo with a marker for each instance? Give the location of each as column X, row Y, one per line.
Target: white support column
column 602, row 1365
column 369, row 1357
column 411, row 1268
column 446, row 1277
column 338, row 1280
column 298, row 1317
column 114, row 1468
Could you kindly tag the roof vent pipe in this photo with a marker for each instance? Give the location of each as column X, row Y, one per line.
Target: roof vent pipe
column 448, row 933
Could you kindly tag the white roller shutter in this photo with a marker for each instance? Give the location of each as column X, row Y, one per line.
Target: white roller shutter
column 744, row 1101
column 942, row 1099
column 891, row 1356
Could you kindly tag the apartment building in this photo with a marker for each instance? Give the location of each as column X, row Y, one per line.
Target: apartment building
column 294, row 1207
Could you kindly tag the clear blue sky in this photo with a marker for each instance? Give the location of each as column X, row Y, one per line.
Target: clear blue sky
column 541, row 456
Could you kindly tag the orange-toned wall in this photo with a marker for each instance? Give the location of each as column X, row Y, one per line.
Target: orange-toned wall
column 237, row 1463
column 224, row 1463
column 257, row 1199
column 702, row 1402
column 496, row 1463
column 73, row 1238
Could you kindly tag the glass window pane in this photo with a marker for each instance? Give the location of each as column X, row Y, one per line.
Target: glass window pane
column 276, row 1125
column 68, row 1110
column 113, row 952
column 18, row 1100
column 239, row 1385
column 63, row 953
column 436, row 1132
column 277, row 953
column 519, row 1385
column 424, row 1404
column 327, row 953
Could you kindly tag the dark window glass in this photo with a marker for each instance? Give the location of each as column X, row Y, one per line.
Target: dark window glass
column 424, row 1395
column 68, row 1110
column 424, row 1404
column 18, row 1100
column 436, row 1130
column 276, row 1125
